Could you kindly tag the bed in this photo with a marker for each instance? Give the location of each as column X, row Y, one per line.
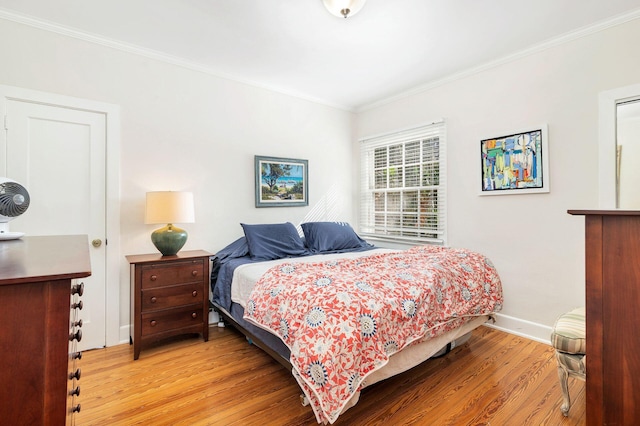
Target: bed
column 341, row 314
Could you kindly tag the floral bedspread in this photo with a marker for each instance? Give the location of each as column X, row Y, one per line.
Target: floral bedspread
column 342, row 319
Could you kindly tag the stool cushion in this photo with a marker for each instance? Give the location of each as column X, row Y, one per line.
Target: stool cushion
column 569, row 332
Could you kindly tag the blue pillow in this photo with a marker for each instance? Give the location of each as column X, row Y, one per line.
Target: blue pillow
column 331, row 236
column 273, row 241
column 238, row 248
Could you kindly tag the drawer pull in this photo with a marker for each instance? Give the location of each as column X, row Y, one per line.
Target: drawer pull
column 76, row 355
column 154, row 277
column 78, row 323
column 77, row 336
column 153, row 323
column 194, row 293
column 154, row 299
column 194, row 315
column 194, row 273
column 76, row 375
column 77, row 305
column 77, row 289
column 75, row 391
column 76, row 409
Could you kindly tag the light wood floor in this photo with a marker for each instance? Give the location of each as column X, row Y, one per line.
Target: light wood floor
column 494, row 379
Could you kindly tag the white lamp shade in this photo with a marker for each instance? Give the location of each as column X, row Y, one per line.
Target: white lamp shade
column 169, row 207
column 337, row 6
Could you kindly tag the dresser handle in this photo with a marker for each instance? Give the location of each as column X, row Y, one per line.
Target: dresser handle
column 153, row 323
column 75, row 375
column 154, row 299
column 75, row 391
column 194, row 293
column 78, row 323
column 76, row 355
column 77, row 289
column 194, row 273
column 77, row 336
column 78, row 305
column 76, row 409
column 154, row 277
column 194, row 315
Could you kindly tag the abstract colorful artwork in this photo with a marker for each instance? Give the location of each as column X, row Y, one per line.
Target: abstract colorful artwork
column 514, row 163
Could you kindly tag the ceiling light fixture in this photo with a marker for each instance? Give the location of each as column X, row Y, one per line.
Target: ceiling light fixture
column 343, row 8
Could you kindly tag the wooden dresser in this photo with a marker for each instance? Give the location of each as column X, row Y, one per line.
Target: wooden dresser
column 613, row 316
column 38, row 285
column 169, row 296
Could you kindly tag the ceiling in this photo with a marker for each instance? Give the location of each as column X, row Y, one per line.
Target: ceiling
column 296, row 47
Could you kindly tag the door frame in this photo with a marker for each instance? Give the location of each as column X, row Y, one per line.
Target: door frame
column 112, row 190
column 607, row 140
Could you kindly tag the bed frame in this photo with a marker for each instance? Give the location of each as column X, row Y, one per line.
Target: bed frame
column 251, row 338
column 254, row 340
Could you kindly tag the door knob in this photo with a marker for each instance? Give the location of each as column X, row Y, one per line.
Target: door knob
column 97, row 242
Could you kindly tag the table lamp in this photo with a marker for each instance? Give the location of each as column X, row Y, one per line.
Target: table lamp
column 169, row 207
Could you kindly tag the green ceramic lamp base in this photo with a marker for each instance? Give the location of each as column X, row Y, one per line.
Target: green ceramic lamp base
column 169, row 239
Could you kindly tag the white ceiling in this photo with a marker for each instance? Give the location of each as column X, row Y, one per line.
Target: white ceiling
column 297, row 47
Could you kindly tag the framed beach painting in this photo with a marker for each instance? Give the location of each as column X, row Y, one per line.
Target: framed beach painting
column 516, row 163
column 281, row 182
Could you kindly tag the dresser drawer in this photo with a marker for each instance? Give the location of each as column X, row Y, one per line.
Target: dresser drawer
column 175, row 273
column 170, row 296
column 170, row 319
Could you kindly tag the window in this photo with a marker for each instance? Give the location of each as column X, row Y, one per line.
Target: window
column 403, row 185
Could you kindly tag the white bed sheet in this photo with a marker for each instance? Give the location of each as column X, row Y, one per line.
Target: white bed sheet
column 415, row 354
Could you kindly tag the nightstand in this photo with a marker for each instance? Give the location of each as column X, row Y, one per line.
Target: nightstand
column 169, row 296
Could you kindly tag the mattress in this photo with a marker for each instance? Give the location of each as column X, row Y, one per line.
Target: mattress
column 245, row 276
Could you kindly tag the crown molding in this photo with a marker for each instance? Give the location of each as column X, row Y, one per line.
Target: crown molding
column 556, row 41
column 194, row 66
column 151, row 54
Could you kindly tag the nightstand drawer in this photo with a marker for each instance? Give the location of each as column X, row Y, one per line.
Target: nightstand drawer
column 170, row 296
column 176, row 273
column 159, row 321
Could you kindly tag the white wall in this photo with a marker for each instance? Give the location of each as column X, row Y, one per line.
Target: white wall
column 186, row 130
column 537, row 247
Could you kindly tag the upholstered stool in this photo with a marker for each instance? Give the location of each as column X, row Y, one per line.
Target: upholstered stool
column 568, row 337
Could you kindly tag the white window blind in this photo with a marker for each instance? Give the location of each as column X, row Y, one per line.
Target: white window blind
column 403, row 185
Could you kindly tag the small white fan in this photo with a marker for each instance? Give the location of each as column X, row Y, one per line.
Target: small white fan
column 14, row 200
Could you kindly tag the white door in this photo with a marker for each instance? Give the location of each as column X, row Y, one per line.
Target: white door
column 58, row 154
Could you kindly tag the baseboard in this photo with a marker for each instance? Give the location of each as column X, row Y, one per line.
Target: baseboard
column 530, row 330
column 214, row 317
column 124, row 334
